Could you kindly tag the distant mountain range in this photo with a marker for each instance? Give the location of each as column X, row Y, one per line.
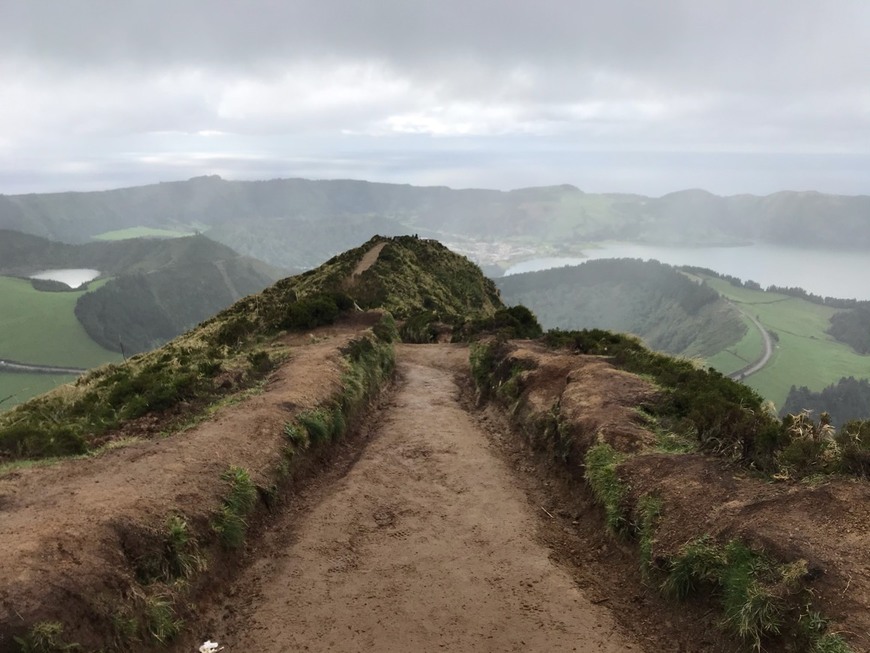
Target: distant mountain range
column 297, row 223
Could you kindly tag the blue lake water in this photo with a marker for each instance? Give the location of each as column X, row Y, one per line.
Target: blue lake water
column 822, row 272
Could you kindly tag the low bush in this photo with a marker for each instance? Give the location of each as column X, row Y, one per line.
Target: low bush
column 514, row 322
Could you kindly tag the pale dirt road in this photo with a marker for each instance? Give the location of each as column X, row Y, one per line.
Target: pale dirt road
column 426, row 544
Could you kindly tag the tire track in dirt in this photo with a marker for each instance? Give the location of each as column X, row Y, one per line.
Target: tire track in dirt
column 427, row 544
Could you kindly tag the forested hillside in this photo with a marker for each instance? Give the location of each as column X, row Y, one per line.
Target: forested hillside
column 298, row 223
column 848, row 399
column 654, row 301
column 153, row 290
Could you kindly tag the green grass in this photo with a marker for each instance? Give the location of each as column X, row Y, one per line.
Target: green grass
column 161, row 620
column 41, row 328
column 601, row 462
column 747, row 350
column 45, row 637
column 804, row 356
column 239, row 502
column 21, row 387
column 141, row 232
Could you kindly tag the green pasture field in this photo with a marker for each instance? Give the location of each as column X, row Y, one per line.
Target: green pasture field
column 804, row 356
column 141, row 232
column 747, row 350
column 16, row 388
column 41, row 328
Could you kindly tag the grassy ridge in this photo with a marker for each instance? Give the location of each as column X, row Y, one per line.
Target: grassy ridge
column 805, row 354
column 41, row 328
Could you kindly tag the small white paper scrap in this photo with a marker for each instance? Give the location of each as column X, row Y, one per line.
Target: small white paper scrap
column 210, row 647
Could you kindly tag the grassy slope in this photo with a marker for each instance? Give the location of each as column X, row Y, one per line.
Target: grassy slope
column 41, row 328
column 21, row 387
column 805, row 354
column 746, row 350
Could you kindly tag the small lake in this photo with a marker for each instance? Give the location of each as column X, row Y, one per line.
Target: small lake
column 71, row 277
column 827, row 273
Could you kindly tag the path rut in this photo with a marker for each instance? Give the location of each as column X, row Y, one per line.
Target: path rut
column 426, row 544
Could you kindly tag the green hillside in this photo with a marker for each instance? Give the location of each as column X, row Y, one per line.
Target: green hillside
column 41, row 327
column 149, row 292
column 295, row 223
column 649, row 299
column 236, row 347
column 805, row 354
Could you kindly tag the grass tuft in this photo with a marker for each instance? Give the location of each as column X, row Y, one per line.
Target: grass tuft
column 45, row 637
column 229, row 523
column 183, row 558
column 161, row 621
column 318, row 424
column 601, row 463
column 649, row 508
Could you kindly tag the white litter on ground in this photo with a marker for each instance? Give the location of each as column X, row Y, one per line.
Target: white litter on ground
column 210, row 647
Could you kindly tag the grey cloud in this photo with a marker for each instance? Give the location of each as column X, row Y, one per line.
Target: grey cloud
column 129, row 85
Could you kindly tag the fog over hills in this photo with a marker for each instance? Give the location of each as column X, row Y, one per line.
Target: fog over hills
column 298, row 223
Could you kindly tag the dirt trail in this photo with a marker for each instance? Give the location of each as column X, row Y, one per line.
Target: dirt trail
column 427, row 544
column 368, row 260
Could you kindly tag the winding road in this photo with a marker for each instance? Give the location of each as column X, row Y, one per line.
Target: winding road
column 757, row 365
column 16, row 366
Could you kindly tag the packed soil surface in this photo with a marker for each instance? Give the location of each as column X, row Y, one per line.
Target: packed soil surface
column 436, row 527
column 426, row 544
column 824, row 522
column 67, row 530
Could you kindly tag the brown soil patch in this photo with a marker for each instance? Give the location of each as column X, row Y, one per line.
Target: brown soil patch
column 64, row 528
column 425, row 545
column 438, row 529
column 597, row 402
column 367, row 261
column 828, row 525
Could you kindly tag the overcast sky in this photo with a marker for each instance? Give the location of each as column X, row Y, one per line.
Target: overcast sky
column 646, row 96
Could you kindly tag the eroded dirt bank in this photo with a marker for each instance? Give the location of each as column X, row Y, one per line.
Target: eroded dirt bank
column 427, row 544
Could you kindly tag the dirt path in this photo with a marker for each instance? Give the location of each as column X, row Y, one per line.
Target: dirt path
column 368, row 260
column 427, row 544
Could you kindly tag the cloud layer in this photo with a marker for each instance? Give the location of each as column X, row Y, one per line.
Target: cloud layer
column 627, row 95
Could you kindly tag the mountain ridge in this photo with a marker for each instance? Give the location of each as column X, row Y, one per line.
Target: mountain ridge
column 270, row 218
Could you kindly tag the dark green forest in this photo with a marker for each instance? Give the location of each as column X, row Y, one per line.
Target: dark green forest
column 655, row 301
column 847, row 400
column 298, row 222
column 140, row 311
column 853, row 328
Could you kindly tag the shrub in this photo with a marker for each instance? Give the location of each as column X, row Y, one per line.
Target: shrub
column 310, row 312
column 419, row 328
column 514, row 322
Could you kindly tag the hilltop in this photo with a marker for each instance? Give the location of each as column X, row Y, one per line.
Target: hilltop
column 288, row 473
